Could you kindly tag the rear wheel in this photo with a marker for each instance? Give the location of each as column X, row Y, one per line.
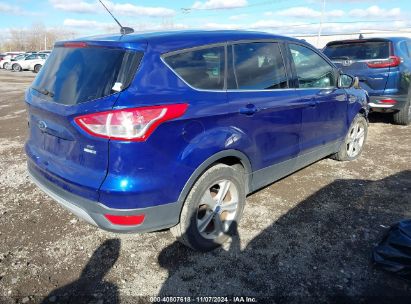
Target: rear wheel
column 212, row 209
column 16, row 67
column 354, row 140
column 37, row 68
column 403, row 117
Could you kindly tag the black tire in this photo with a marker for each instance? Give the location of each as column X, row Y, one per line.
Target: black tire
column 403, row 117
column 16, row 67
column 37, row 68
column 187, row 231
column 345, row 154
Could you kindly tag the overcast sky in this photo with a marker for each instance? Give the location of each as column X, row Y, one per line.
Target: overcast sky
column 85, row 17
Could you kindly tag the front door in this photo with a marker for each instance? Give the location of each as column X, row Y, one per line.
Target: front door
column 325, row 111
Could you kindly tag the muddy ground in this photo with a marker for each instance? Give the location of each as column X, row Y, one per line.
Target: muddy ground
column 306, row 238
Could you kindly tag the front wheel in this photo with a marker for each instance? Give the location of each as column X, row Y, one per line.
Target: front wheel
column 403, row 117
column 212, row 209
column 16, row 67
column 37, row 68
column 354, row 140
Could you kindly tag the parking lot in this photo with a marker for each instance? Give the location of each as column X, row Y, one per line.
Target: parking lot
column 306, row 238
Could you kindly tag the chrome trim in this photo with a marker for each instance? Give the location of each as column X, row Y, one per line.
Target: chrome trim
column 378, row 105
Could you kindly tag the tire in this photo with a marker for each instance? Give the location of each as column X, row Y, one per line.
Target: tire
column 354, row 140
column 37, row 68
column 202, row 228
column 403, row 117
column 16, row 67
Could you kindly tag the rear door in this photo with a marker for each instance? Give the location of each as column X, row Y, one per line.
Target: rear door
column 325, row 105
column 355, row 58
column 268, row 111
column 77, row 78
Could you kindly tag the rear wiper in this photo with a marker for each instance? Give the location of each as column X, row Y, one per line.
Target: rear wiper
column 341, row 57
column 43, row 91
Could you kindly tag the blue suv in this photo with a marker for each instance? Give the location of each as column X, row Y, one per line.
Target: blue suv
column 136, row 133
column 383, row 66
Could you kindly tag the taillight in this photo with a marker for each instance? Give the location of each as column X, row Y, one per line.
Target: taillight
column 392, row 61
column 389, row 101
column 134, row 124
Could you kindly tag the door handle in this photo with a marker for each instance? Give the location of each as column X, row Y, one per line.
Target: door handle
column 312, row 103
column 249, row 109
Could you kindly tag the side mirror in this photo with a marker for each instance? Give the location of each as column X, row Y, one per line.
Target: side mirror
column 356, row 83
column 347, row 81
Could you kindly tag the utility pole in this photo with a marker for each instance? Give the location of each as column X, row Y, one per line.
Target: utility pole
column 45, row 41
column 321, row 24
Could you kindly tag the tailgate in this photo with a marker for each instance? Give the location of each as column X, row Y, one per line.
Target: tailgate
column 76, row 79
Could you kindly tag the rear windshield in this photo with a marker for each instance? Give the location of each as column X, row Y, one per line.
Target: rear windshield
column 76, row 75
column 366, row 50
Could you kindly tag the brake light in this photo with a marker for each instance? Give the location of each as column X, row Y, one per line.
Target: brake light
column 134, row 124
column 125, row 220
column 392, row 61
column 75, row 44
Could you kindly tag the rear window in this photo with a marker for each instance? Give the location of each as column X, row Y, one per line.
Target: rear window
column 75, row 75
column 202, row 68
column 366, row 50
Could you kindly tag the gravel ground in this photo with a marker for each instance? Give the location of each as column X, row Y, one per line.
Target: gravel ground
column 306, row 238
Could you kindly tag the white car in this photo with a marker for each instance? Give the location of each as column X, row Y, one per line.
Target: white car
column 24, row 63
column 36, row 65
column 6, row 59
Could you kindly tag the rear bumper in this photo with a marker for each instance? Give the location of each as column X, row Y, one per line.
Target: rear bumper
column 378, row 106
column 155, row 218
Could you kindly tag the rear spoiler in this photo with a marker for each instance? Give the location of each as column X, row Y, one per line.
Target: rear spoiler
column 357, row 41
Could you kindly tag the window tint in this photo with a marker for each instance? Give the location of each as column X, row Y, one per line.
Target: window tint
column 76, row 75
column 30, row 57
column 202, row 69
column 359, row 50
column 257, row 66
column 312, row 70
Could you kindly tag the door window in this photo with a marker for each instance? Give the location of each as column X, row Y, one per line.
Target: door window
column 312, row 70
column 256, row 66
column 202, row 68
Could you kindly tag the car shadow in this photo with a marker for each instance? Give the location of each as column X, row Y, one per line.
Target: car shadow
column 375, row 117
column 318, row 252
column 90, row 287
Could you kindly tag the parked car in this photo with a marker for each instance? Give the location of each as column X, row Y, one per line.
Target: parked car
column 36, row 64
column 383, row 66
column 138, row 133
column 7, row 58
column 23, row 63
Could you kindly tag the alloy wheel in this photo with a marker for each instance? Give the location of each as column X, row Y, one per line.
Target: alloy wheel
column 356, row 139
column 217, row 209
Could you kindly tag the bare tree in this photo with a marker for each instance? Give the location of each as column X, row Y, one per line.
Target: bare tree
column 35, row 38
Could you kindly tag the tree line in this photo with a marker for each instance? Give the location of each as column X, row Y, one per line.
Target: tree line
column 35, row 38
